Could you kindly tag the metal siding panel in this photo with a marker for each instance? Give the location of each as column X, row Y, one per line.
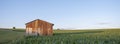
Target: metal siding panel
column 41, row 27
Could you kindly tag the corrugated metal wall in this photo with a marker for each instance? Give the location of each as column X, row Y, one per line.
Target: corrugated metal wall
column 39, row 27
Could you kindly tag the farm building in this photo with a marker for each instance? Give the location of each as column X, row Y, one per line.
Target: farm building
column 39, row 27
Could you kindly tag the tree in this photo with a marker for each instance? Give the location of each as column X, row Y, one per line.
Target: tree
column 14, row 28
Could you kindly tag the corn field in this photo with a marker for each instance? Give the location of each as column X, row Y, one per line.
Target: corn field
column 111, row 36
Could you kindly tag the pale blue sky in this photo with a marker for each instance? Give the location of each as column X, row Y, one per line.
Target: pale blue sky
column 62, row 13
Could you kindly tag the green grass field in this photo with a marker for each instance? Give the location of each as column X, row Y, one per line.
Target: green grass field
column 101, row 36
column 7, row 35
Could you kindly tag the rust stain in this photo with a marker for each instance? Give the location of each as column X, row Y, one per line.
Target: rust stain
column 39, row 27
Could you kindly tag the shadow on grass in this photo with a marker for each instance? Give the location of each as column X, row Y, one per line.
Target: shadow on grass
column 87, row 32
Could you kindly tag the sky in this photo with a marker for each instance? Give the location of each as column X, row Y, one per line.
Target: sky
column 67, row 14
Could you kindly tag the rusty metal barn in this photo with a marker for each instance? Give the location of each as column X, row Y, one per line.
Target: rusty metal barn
column 39, row 27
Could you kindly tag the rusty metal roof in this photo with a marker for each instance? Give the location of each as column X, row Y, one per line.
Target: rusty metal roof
column 39, row 20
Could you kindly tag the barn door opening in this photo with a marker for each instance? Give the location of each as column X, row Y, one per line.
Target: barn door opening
column 38, row 31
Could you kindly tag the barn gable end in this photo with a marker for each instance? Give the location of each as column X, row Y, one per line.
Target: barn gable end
column 39, row 27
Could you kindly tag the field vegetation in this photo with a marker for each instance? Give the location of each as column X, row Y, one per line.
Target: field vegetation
column 100, row 36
